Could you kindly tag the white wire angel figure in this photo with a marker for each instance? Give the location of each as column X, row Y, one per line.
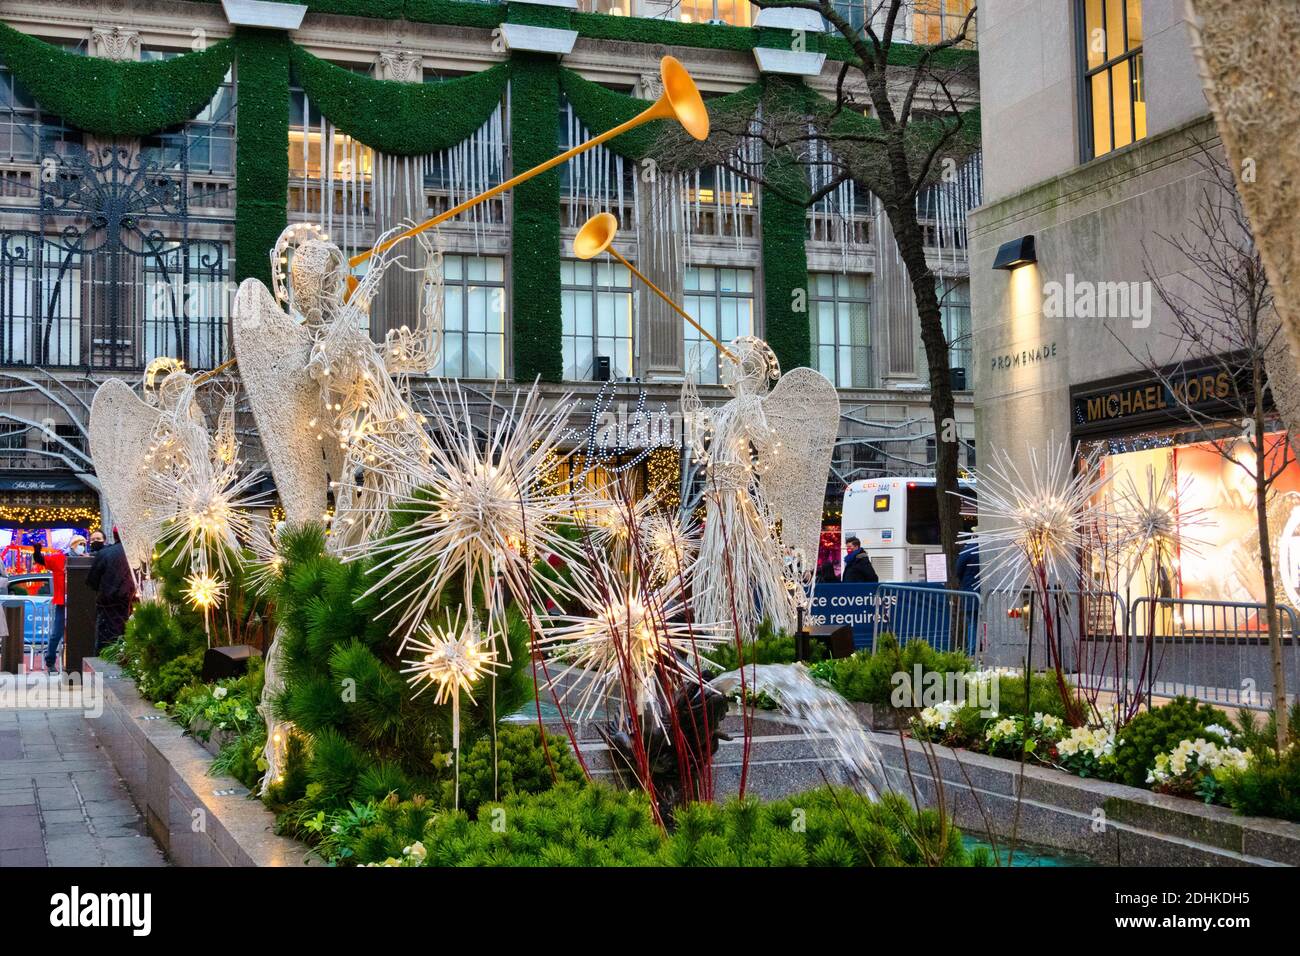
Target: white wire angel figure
column 766, row 456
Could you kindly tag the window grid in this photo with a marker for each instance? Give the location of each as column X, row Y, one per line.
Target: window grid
column 954, row 306
column 206, row 142
column 839, row 323
column 25, row 132
column 721, row 300
column 1113, row 84
column 473, row 318
column 597, row 318
column 937, row 20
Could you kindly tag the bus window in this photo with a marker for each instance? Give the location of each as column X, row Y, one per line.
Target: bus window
column 922, row 515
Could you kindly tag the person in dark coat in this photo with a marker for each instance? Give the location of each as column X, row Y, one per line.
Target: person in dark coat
column 857, row 566
column 110, row 576
column 968, row 567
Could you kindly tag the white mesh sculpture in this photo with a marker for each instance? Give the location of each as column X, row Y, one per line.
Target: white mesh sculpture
column 766, row 456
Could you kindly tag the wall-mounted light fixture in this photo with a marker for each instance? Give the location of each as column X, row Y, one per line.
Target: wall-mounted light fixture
column 1017, row 252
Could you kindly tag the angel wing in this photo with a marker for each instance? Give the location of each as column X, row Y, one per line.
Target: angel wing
column 803, row 416
column 121, row 431
column 274, row 352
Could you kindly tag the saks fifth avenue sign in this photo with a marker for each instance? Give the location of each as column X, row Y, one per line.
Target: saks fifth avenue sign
column 1189, row 389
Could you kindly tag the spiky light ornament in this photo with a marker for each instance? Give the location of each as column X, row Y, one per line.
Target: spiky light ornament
column 451, row 659
column 204, row 591
column 634, row 638
column 671, row 541
column 1037, row 517
column 1153, row 522
column 483, row 512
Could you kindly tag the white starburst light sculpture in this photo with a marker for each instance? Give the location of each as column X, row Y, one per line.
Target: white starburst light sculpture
column 483, row 510
column 451, row 659
column 1038, row 517
column 1154, row 522
column 633, row 642
column 671, row 542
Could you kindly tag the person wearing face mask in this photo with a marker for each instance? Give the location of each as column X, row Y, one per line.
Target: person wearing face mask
column 110, row 576
column 56, row 562
column 96, row 541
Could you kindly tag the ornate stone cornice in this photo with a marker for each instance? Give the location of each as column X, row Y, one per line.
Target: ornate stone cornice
column 114, row 43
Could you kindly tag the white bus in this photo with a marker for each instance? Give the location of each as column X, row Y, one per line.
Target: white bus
column 897, row 521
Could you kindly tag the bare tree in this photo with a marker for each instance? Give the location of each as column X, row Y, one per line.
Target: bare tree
column 895, row 122
column 1222, row 324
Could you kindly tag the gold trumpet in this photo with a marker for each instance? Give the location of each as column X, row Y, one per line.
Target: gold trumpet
column 597, row 236
column 680, row 99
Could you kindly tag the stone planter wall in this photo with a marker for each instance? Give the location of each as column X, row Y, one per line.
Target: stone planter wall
column 198, row 820
column 1107, row 822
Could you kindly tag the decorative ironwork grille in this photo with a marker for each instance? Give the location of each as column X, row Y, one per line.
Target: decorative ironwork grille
column 105, row 270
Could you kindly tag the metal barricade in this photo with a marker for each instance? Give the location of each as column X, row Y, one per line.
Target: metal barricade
column 945, row 619
column 1214, row 651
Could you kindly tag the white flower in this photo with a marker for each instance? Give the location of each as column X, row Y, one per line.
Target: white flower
column 1220, row 731
column 219, row 693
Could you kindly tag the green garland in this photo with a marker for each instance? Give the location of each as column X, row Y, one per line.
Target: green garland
column 601, row 109
column 262, row 162
column 111, row 98
column 535, row 229
column 402, row 119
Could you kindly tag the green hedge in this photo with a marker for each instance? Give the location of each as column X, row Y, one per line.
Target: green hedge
column 535, row 293
column 112, row 98
column 262, row 159
column 403, row 119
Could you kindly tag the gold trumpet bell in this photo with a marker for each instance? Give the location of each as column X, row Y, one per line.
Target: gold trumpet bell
column 595, row 235
column 684, row 98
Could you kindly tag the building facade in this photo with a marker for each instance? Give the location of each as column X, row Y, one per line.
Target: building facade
column 1099, row 147
column 99, row 281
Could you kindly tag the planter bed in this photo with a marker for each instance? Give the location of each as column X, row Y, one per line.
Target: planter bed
column 166, row 773
column 1109, row 823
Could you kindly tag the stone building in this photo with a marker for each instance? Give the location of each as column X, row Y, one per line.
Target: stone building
column 1098, row 149
column 98, row 281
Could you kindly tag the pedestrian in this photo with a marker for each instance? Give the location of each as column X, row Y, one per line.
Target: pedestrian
column 968, row 567
column 857, row 565
column 56, row 562
column 111, row 578
column 96, row 541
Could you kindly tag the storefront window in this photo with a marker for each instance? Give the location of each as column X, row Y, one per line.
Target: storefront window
column 1113, row 85
column 205, row 144
column 1215, row 555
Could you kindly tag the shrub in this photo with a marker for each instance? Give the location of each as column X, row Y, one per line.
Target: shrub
column 769, row 646
column 597, row 826
column 1159, row 731
column 521, row 767
column 1044, row 695
column 228, row 705
column 161, row 652
column 241, row 757
column 1269, row 787
column 364, row 731
column 869, row 677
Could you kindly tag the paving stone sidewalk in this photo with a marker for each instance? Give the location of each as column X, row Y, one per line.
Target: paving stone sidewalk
column 61, row 801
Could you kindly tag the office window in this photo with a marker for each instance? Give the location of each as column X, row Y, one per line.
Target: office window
column 25, row 132
column 838, row 320
column 934, row 21
column 1113, row 87
column 854, row 12
column 738, row 13
column 473, row 318
column 208, row 138
column 954, row 306
column 619, row 8
column 721, row 300
column 597, row 316
column 187, row 303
